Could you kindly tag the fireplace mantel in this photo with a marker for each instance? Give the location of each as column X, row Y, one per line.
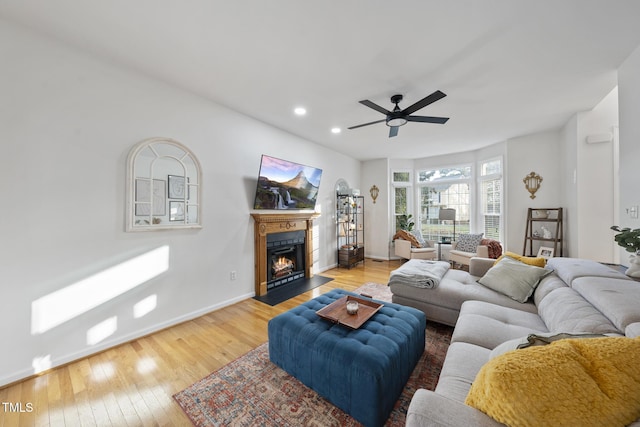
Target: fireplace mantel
column 277, row 223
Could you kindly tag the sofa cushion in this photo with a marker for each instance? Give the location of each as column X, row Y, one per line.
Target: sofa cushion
column 564, row 310
column 546, row 285
column 513, row 278
column 586, row 381
column 537, row 261
column 632, row 330
column 459, row 369
column 618, row 300
column 489, row 325
column 468, row 242
column 570, row 269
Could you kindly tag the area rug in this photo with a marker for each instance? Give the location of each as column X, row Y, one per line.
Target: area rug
column 253, row 391
column 375, row 291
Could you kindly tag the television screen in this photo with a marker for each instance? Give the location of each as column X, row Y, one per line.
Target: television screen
column 286, row 185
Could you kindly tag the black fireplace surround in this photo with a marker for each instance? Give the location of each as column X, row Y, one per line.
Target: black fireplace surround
column 285, row 258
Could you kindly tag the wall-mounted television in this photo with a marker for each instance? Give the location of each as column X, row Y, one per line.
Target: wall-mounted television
column 286, row 185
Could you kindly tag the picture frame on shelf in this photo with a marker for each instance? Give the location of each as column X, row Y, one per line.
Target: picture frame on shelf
column 545, row 252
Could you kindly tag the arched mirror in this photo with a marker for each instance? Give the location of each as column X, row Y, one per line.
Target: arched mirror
column 164, row 186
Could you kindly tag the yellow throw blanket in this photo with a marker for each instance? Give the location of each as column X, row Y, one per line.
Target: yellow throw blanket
column 571, row 382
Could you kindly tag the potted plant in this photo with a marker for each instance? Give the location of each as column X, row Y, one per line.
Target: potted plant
column 630, row 240
column 627, row 238
column 405, row 222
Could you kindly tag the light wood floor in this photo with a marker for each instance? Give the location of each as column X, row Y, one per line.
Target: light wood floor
column 133, row 384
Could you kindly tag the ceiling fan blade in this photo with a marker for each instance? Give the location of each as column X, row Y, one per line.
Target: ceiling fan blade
column 375, row 106
column 393, row 131
column 367, row 124
column 435, row 96
column 427, row 119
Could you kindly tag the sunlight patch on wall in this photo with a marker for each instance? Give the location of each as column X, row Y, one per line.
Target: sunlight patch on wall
column 145, row 306
column 78, row 298
column 102, row 330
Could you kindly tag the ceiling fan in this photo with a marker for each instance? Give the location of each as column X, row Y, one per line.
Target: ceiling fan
column 398, row 117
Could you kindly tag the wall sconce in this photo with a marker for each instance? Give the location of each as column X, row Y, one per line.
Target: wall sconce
column 532, row 183
column 374, row 191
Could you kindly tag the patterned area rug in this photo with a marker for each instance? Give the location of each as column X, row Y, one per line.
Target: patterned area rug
column 253, row 391
column 375, row 291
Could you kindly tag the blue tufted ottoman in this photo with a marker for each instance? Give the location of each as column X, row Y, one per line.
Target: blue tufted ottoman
column 360, row 371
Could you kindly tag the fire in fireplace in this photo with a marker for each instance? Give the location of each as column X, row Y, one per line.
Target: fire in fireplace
column 285, row 258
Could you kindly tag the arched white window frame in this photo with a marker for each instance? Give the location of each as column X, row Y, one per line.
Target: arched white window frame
column 150, row 204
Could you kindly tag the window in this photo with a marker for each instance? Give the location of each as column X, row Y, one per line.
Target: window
column 402, row 177
column 491, row 198
column 402, row 186
column 478, row 204
column 444, row 188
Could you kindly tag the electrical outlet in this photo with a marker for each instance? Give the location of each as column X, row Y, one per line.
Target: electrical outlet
column 233, row 275
column 633, row 212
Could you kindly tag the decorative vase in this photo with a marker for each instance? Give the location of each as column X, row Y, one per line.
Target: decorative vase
column 634, row 266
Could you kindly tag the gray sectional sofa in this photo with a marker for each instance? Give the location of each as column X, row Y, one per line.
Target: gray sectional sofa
column 580, row 296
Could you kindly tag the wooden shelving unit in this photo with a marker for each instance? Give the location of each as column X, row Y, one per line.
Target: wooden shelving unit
column 350, row 229
column 533, row 232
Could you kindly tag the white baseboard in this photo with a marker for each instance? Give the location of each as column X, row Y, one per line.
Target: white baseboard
column 107, row 344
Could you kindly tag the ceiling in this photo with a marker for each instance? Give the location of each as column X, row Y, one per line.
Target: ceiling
column 508, row 67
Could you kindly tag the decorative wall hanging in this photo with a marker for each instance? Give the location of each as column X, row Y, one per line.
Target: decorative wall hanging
column 374, row 191
column 164, row 186
column 532, row 183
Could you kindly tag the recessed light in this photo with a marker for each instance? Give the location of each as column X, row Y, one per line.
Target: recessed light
column 336, row 130
column 300, row 111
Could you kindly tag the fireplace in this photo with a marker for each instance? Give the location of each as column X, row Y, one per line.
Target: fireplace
column 283, row 249
column 285, row 258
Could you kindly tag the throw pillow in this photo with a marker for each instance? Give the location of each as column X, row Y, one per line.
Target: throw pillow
column 514, row 278
column 405, row 235
column 586, row 382
column 468, row 242
column 418, row 235
column 537, row 261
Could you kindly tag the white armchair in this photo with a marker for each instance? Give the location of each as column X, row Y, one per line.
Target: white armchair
column 473, row 245
column 464, row 258
column 404, row 249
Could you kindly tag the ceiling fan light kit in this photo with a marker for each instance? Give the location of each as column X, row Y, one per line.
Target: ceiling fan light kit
column 399, row 117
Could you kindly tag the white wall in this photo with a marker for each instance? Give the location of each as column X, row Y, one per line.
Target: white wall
column 629, row 104
column 67, row 122
column 569, row 183
column 377, row 215
column 537, row 153
column 595, row 181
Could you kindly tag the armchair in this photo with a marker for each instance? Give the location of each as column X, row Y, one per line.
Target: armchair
column 411, row 245
column 486, row 248
column 404, row 249
column 463, row 257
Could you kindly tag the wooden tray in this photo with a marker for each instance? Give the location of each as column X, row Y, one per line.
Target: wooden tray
column 336, row 312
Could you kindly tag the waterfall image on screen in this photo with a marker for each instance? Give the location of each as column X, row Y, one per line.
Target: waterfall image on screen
column 286, row 185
